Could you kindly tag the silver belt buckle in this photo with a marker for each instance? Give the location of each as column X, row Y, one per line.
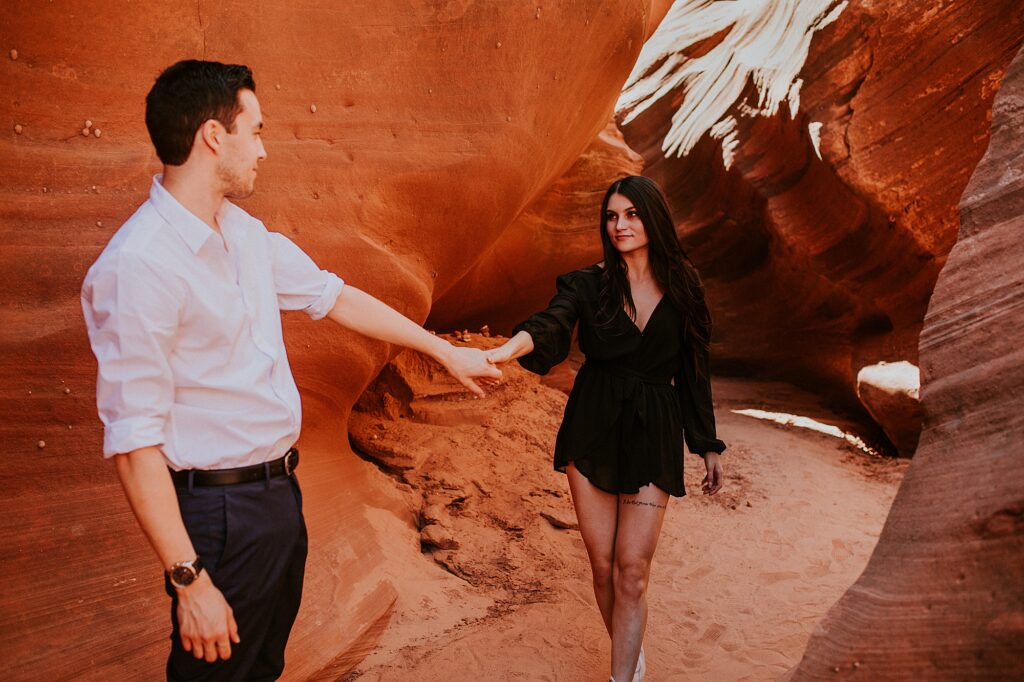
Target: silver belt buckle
column 289, row 461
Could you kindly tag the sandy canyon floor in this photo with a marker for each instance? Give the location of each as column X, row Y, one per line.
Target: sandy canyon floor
column 498, row 590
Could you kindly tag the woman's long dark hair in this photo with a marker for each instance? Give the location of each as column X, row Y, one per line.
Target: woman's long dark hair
column 670, row 265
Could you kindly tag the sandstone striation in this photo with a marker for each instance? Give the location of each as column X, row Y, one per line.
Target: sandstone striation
column 941, row 596
column 448, row 157
column 557, row 233
column 403, row 139
column 813, row 154
column 818, row 203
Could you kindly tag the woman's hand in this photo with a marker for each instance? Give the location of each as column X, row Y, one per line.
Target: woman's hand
column 496, row 356
column 518, row 346
column 714, row 479
column 499, row 355
column 470, row 366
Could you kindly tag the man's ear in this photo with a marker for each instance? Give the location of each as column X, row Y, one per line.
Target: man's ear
column 211, row 134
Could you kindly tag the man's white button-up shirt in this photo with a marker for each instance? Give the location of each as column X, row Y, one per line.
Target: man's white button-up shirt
column 186, row 329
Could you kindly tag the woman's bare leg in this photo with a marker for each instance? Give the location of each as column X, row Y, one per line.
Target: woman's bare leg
column 597, row 512
column 639, row 525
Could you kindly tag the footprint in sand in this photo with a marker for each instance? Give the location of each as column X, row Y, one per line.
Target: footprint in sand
column 683, row 631
column 840, row 552
column 818, row 569
column 730, row 645
column 711, row 636
column 777, row 576
column 699, row 572
column 706, row 644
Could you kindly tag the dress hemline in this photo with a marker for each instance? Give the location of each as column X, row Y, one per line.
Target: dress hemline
column 561, row 469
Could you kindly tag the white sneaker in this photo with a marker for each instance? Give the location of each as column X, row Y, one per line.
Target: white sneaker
column 641, row 667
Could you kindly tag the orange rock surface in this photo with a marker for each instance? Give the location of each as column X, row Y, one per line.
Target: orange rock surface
column 555, row 234
column 403, row 139
column 447, row 157
column 816, row 267
column 941, row 596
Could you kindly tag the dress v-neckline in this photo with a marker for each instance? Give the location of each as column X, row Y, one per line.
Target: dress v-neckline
column 649, row 317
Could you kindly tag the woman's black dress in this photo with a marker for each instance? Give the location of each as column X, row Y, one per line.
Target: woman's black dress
column 625, row 421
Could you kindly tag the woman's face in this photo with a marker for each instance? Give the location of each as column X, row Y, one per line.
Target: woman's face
column 624, row 226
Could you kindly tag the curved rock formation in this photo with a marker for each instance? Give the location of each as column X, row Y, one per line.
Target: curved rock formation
column 941, row 596
column 826, row 145
column 403, row 139
column 557, row 233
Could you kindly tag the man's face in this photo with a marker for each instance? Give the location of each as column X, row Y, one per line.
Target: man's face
column 243, row 149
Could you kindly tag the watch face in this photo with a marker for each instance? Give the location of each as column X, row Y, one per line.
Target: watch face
column 182, row 576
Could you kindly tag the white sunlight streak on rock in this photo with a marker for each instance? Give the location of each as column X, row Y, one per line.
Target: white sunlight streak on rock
column 725, row 130
column 814, row 130
column 767, row 44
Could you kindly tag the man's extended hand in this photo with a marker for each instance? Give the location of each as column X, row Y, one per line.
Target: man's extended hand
column 206, row 621
column 467, row 364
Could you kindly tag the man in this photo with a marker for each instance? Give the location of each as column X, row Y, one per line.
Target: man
column 194, row 389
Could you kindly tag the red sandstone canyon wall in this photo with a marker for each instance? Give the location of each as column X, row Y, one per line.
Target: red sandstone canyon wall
column 941, row 597
column 450, row 166
column 403, row 139
column 818, row 267
column 819, row 227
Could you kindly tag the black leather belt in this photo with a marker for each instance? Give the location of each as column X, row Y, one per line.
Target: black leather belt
column 283, row 466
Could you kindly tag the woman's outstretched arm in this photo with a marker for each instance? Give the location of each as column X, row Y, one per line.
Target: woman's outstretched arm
column 545, row 338
column 519, row 345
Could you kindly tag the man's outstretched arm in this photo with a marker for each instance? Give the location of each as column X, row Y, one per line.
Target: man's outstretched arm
column 362, row 313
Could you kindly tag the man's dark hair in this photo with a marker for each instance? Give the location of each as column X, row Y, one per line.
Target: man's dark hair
column 188, row 94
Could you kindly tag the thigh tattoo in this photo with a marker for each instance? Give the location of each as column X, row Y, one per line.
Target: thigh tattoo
column 642, row 503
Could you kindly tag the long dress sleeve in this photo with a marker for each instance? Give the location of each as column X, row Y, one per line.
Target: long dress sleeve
column 551, row 329
column 694, row 386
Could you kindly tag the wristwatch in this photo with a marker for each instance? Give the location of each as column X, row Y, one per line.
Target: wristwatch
column 184, row 573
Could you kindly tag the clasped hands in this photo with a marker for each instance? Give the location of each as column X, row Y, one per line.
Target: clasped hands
column 471, row 367
column 474, row 368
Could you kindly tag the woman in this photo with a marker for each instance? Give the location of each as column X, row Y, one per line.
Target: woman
column 644, row 329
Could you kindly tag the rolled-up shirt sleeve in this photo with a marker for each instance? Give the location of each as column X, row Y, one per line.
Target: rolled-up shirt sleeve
column 299, row 283
column 131, row 312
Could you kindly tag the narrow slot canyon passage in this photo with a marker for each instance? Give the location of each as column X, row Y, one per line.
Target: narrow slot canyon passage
column 847, row 177
column 739, row 580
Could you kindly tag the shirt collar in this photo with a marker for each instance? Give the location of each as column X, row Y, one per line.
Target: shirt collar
column 186, row 223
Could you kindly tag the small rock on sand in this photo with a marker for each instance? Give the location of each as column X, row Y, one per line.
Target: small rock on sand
column 559, row 520
column 438, row 536
column 433, row 513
